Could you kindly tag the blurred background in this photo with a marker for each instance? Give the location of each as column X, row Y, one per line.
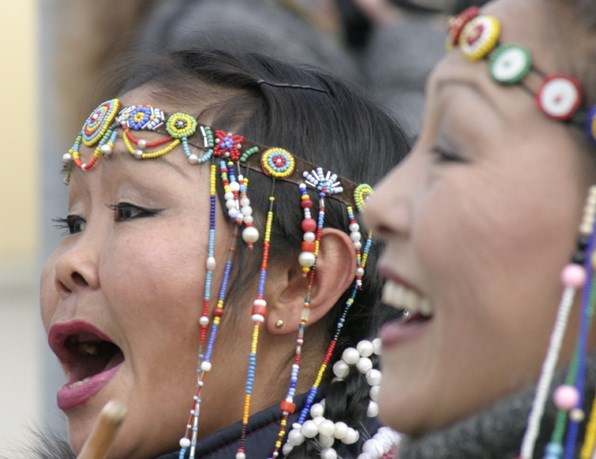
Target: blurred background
column 20, row 329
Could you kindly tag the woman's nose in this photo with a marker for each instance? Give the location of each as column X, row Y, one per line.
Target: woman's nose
column 387, row 212
column 76, row 268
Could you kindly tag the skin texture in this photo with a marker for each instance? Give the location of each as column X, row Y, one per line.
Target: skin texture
column 139, row 279
column 480, row 218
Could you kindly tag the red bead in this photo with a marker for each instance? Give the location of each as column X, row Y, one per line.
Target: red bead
column 262, row 310
column 306, row 203
column 287, row 406
column 218, row 312
column 308, row 224
column 307, row 246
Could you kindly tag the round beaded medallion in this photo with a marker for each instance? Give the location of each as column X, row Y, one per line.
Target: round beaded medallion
column 99, row 121
column 559, row 96
column 479, row 37
column 361, row 194
column 181, row 125
column 509, row 64
column 278, row 162
column 141, row 117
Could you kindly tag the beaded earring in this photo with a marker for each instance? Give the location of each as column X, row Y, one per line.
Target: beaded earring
column 559, row 96
column 568, row 397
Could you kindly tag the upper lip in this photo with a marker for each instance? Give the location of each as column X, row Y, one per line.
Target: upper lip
column 60, row 332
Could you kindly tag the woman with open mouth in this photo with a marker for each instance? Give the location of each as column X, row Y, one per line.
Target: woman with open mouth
column 490, row 211
column 214, row 276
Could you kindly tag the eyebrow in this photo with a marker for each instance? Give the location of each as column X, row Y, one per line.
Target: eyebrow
column 475, row 87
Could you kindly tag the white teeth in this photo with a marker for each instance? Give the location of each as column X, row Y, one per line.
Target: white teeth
column 88, row 348
column 402, row 297
column 78, row 383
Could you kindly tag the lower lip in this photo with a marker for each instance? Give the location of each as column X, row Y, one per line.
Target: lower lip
column 70, row 397
column 398, row 332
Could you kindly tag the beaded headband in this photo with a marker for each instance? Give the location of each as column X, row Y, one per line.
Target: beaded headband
column 100, row 131
column 229, row 153
column 559, row 96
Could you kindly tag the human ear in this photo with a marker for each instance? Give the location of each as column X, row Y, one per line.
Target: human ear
column 288, row 290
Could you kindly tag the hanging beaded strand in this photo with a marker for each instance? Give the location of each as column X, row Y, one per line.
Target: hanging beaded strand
column 313, row 231
column 277, row 163
column 573, row 277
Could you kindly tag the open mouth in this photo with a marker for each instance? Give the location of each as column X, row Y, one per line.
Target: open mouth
column 89, row 359
column 88, row 355
column 416, row 307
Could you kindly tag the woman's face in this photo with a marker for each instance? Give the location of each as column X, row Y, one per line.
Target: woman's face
column 132, row 273
column 478, row 221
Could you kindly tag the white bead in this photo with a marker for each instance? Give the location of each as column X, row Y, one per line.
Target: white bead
column 354, row 227
column 351, row 437
column 364, row 365
column 350, row 356
column 374, row 393
column 230, row 204
column 287, row 448
column 247, row 210
column 355, row 236
column 240, row 456
column 210, row 263
column 258, row 318
column 142, row 144
column 373, row 409
column 234, row 186
column 341, row 429
column 374, row 377
column 326, row 427
column 204, row 321
column 377, row 346
column 228, row 196
column 248, row 219
column 139, row 154
column 259, row 302
column 341, row 369
column 316, row 410
column 193, row 159
column 360, row 271
column 358, row 245
column 326, row 441
column 206, row 366
column 318, row 419
column 307, row 259
column 184, row 442
column 365, row 348
column 244, row 202
column 309, row 236
column 295, row 438
column 250, row 234
column 66, row 157
column 328, row 453
column 106, row 149
column 309, row 429
column 233, row 213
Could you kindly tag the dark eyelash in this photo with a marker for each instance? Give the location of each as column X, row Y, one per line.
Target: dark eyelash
column 444, row 156
column 134, row 210
column 67, row 225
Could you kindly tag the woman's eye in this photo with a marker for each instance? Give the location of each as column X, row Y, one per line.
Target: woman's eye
column 126, row 211
column 443, row 156
column 71, row 224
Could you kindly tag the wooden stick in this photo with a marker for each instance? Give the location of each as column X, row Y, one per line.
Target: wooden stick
column 104, row 431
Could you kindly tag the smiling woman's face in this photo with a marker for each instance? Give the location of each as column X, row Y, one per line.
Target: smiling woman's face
column 478, row 222
column 131, row 273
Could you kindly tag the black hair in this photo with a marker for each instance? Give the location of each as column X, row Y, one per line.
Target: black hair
column 316, row 117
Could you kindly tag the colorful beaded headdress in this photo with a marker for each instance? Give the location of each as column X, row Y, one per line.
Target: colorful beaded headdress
column 234, row 157
column 559, row 96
